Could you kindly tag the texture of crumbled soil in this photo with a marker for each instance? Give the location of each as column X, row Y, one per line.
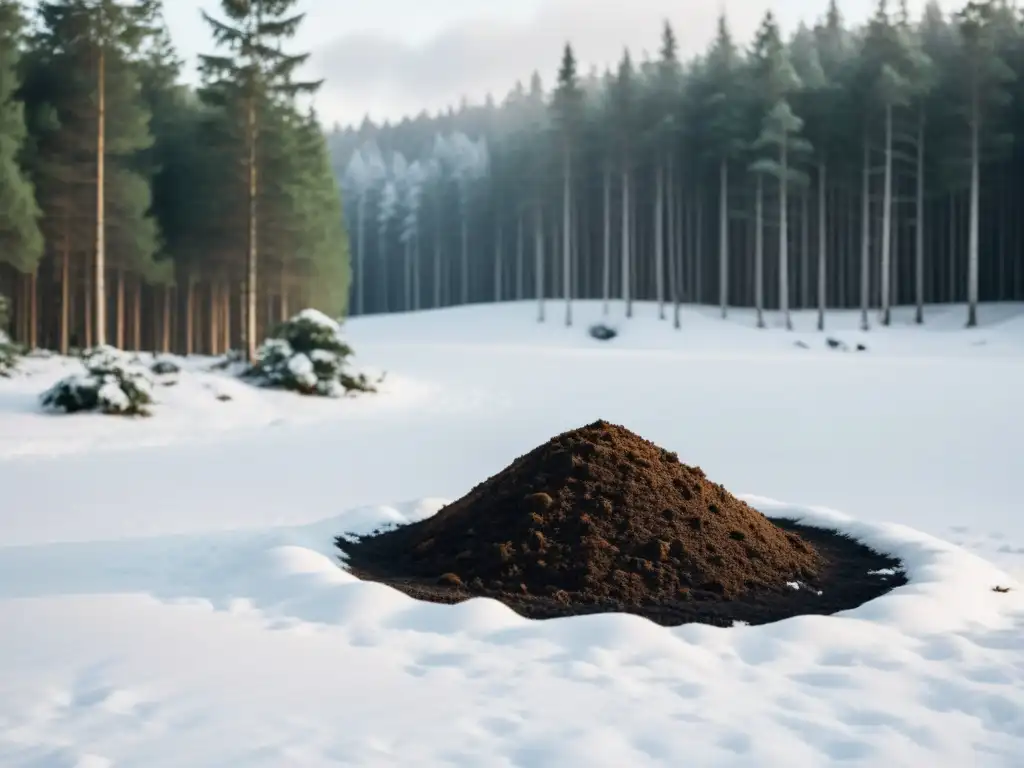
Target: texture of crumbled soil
column 599, row 519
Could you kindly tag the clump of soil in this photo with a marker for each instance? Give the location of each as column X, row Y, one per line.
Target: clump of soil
column 600, row 519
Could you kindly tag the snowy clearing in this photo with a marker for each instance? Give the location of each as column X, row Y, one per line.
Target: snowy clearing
column 182, row 605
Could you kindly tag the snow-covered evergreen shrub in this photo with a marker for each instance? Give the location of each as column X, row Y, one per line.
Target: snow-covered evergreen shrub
column 110, row 384
column 307, row 354
column 164, row 366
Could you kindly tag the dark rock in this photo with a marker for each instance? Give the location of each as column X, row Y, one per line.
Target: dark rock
column 603, row 332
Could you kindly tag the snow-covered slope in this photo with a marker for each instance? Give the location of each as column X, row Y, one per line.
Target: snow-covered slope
column 169, row 594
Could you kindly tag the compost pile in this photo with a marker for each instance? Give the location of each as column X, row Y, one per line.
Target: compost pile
column 597, row 515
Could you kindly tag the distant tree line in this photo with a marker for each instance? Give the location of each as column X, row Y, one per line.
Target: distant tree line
column 139, row 212
column 840, row 168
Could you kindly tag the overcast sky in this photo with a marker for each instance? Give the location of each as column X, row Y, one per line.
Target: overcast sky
column 390, row 58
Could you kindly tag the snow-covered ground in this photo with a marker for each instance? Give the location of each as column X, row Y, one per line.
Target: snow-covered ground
column 169, row 595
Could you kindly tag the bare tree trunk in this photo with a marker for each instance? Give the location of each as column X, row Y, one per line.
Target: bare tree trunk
column 137, row 315
column 723, row 236
column 190, row 293
column 626, row 232
column 249, row 345
column 659, row 239
column 538, row 253
column 361, row 254
column 674, row 251
column 165, row 328
column 885, row 277
column 65, row 291
column 520, row 247
column 822, row 246
column 119, row 309
column 437, row 257
column 101, row 223
column 759, row 251
column 698, row 248
column 972, row 232
column 33, row 309
column 567, row 236
column 805, row 250
column 606, row 284
column 784, row 237
column 865, row 235
column 919, row 232
column 465, row 256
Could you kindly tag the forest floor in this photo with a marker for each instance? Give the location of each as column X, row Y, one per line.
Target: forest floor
column 170, row 593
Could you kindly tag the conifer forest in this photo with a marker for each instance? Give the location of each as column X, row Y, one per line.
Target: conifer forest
column 839, row 166
column 833, row 166
column 139, row 212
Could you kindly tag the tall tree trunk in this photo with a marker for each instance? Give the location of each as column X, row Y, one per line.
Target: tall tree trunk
column 972, row 232
column 723, row 236
column 538, row 254
column 606, row 275
column 437, row 257
column 626, row 235
column 499, row 262
column 165, row 326
column 250, row 283
column 659, row 239
column 520, row 247
column 416, row 284
column 865, row 234
column 360, row 254
column 567, row 235
column 225, row 314
column 805, row 250
column 885, row 276
column 465, row 255
column 137, row 315
column 919, row 225
column 33, row 309
column 119, row 309
column 784, row 236
column 101, row 222
column 190, row 303
column 822, row 246
column 674, row 245
column 65, row 290
column 759, row 251
column 698, row 247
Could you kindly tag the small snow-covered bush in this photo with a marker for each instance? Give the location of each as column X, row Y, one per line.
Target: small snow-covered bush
column 110, row 384
column 164, row 366
column 307, row 354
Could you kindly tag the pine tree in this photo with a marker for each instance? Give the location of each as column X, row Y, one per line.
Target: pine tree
column 723, row 108
column 985, row 76
column 21, row 243
column 252, row 72
column 779, row 143
column 568, row 107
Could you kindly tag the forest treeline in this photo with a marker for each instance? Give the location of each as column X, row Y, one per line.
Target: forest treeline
column 854, row 167
column 143, row 213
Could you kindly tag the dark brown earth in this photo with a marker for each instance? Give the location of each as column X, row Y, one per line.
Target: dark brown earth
column 599, row 519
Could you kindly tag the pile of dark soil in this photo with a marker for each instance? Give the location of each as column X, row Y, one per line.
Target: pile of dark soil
column 599, row 519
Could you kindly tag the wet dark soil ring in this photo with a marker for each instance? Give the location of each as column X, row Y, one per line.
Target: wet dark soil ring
column 852, row 575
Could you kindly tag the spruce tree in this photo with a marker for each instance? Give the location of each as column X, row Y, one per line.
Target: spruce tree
column 568, row 107
column 252, row 72
column 779, row 145
column 21, row 243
